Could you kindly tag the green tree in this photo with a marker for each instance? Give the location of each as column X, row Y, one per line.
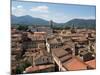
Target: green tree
column 22, row 66
column 22, row 27
column 19, row 69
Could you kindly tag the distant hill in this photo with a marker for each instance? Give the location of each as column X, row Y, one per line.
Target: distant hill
column 29, row 20
column 82, row 23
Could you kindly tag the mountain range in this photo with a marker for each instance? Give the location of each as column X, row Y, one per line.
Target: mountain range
column 29, row 20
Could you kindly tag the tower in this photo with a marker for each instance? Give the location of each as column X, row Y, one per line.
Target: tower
column 76, row 49
column 48, row 46
column 51, row 24
column 73, row 30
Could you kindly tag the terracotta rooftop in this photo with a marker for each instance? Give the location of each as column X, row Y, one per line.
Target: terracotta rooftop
column 68, row 45
column 39, row 33
column 65, row 58
column 75, row 64
column 79, row 39
column 77, row 35
column 33, row 49
column 59, row 52
column 16, row 35
column 91, row 63
column 37, row 68
column 54, row 41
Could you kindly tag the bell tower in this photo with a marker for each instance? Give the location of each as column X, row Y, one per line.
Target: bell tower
column 73, row 29
column 51, row 24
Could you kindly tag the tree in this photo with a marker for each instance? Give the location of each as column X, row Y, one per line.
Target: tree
column 19, row 69
column 22, row 66
column 26, row 64
column 22, row 27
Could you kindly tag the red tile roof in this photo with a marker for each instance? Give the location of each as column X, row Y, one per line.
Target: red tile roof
column 36, row 68
column 75, row 64
column 39, row 33
column 91, row 63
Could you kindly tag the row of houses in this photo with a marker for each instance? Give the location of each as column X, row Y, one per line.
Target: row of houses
column 29, row 46
column 68, row 49
column 71, row 51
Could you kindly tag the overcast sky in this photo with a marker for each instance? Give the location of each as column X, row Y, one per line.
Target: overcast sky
column 59, row 13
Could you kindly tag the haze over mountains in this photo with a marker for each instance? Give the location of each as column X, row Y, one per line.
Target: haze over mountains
column 29, row 20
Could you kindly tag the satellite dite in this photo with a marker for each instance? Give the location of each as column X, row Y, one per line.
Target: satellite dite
column 52, row 37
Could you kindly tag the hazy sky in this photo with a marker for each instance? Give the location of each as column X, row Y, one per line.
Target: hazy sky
column 59, row 13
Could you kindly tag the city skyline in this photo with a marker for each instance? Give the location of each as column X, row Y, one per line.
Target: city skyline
column 59, row 13
column 50, row 37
